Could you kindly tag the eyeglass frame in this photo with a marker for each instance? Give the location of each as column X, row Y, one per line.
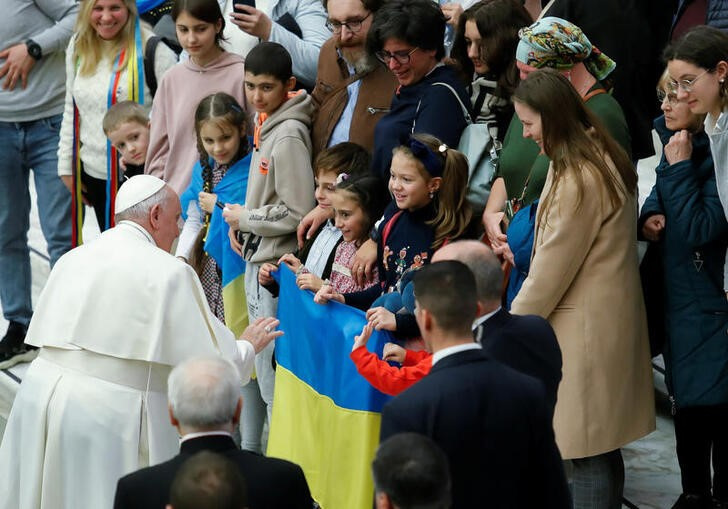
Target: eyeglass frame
column 671, row 97
column 336, row 26
column 402, row 57
column 686, row 85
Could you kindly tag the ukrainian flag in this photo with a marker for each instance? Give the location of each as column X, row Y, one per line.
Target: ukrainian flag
column 231, row 189
column 326, row 416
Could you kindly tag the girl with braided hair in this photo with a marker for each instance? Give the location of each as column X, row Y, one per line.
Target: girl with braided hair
column 219, row 177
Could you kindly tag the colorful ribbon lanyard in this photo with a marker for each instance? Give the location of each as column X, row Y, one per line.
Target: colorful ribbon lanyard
column 135, row 92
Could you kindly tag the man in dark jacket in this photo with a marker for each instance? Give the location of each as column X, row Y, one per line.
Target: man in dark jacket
column 353, row 89
column 525, row 343
column 204, row 406
column 492, row 422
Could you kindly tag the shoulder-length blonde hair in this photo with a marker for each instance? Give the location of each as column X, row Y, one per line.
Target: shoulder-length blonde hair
column 575, row 139
column 88, row 51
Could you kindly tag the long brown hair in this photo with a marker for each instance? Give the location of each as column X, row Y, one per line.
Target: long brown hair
column 574, row 138
column 498, row 22
column 89, row 50
column 453, row 212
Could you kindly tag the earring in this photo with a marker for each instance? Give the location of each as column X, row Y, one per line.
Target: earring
column 432, row 195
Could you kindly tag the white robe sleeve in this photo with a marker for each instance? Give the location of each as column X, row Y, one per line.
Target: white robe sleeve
column 241, row 353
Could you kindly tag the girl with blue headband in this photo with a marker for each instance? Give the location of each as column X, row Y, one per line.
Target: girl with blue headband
column 427, row 182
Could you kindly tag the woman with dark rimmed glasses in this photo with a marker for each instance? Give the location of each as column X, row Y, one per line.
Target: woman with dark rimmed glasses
column 407, row 37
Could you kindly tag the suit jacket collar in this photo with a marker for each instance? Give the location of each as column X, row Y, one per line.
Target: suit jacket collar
column 491, row 325
column 457, row 359
column 214, row 443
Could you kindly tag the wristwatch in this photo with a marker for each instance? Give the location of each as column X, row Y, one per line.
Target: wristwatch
column 34, row 49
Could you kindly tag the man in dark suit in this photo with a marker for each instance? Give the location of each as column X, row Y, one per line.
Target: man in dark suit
column 208, row 480
column 204, row 406
column 492, row 422
column 525, row 343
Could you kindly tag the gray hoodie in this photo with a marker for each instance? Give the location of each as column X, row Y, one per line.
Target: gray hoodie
column 280, row 185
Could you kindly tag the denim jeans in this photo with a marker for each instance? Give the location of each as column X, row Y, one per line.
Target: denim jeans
column 596, row 482
column 25, row 146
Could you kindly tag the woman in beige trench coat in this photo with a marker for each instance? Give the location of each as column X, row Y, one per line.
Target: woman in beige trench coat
column 584, row 279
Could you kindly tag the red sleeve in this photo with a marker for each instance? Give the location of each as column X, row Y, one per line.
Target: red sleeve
column 413, row 357
column 386, row 378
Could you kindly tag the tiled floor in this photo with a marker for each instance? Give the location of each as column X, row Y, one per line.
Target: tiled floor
column 652, row 475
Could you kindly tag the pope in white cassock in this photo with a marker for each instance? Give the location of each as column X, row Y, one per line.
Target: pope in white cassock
column 115, row 316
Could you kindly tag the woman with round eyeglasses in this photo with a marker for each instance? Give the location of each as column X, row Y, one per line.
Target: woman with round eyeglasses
column 698, row 67
column 684, row 219
column 407, row 36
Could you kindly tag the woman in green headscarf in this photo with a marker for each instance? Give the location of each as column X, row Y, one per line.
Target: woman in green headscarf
column 559, row 44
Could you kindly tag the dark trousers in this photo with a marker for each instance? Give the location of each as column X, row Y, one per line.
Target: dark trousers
column 700, row 431
column 96, row 194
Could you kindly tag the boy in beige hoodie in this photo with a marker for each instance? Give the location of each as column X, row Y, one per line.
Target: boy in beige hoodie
column 280, row 193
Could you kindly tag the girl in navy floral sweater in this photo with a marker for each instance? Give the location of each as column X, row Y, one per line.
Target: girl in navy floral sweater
column 427, row 182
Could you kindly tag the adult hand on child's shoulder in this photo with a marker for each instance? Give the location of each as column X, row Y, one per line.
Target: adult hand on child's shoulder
column 310, row 223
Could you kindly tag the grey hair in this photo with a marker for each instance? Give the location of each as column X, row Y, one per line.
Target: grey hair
column 140, row 211
column 486, row 268
column 203, row 392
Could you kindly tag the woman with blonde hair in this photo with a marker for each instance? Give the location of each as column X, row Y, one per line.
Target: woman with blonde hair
column 104, row 65
column 584, row 280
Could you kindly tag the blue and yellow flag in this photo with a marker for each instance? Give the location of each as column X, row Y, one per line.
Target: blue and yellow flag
column 326, row 416
column 231, row 189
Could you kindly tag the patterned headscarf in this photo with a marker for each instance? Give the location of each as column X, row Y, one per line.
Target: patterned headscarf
column 555, row 42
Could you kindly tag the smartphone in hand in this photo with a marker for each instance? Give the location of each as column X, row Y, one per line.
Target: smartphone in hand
column 249, row 3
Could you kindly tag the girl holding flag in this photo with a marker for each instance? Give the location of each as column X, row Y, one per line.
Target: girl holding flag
column 104, row 65
column 220, row 176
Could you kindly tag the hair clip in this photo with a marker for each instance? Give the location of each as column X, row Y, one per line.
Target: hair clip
column 442, row 148
column 433, row 161
column 341, row 177
column 236, row 108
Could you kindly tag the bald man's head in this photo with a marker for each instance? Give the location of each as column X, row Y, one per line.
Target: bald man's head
column 481, row 260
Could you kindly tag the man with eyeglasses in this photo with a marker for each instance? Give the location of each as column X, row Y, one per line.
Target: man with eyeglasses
column 353, row 90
